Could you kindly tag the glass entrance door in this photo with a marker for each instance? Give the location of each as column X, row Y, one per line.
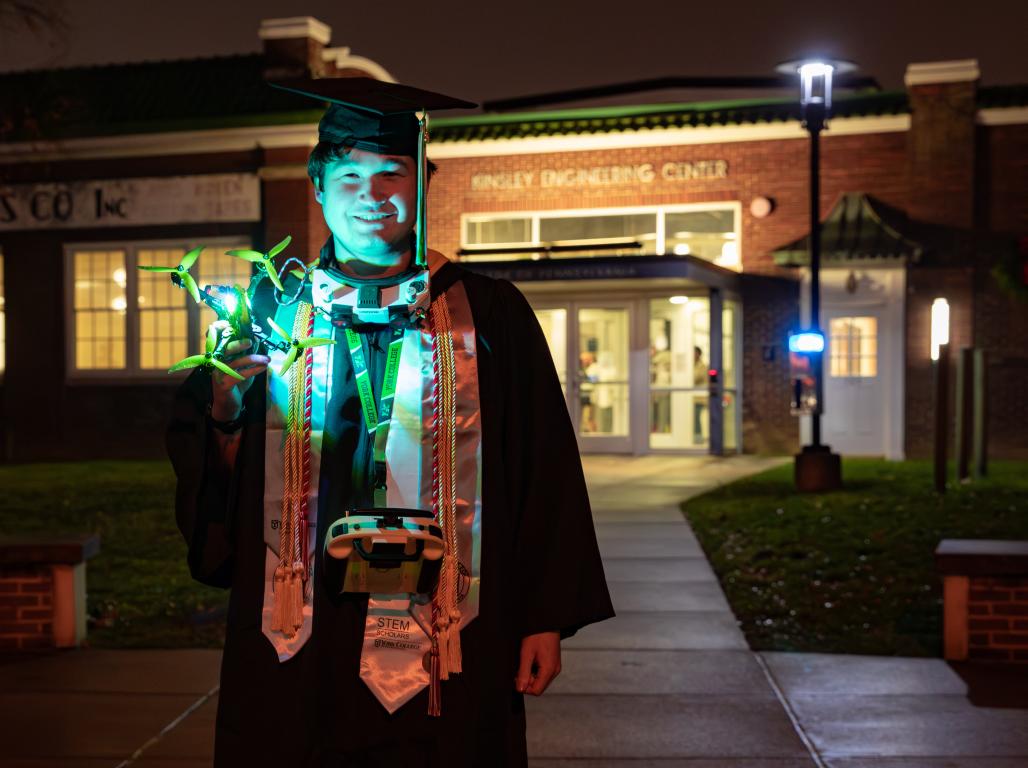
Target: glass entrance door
column 589, row 342
column 601, row 381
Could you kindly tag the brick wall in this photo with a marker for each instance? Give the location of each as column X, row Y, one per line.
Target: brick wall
column 26, row 608
column 872, row 163
column 770, row 311
column 998, row 619
column 1002, row 182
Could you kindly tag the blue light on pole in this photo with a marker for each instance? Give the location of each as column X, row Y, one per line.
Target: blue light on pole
column 807, row 342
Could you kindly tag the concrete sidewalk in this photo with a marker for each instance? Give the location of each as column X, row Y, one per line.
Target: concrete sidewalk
column 669, row 683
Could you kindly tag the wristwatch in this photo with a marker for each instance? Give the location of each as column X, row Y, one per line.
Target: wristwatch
column 228, row 427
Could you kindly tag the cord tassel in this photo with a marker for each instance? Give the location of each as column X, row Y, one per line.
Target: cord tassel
column 435, row 699
column 453, row 661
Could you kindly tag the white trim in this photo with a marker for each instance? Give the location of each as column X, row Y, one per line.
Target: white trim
column 295, row 27
column 662, row 137
column 170, row 143
column 930, row 72
column 342, row 59
column 1002, row 116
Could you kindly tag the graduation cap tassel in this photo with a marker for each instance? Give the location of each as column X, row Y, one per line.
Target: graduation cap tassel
column 421, row 254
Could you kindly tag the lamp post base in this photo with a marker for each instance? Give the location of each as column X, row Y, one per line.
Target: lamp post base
column 817, row 470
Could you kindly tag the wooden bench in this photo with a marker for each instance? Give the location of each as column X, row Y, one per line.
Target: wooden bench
column 985, row 599
column 43, row 590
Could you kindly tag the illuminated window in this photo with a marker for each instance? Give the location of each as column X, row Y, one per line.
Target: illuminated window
column 708, row 231
column 853, row 347
column 135, row 322
column 101, row 308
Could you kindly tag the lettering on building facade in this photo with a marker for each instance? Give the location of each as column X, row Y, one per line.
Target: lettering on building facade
column 130, row 202
column 601, row 175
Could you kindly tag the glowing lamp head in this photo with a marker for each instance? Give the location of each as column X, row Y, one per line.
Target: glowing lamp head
column 816, row 78
column 679, row 299
column 807, row 342
column 940, row 326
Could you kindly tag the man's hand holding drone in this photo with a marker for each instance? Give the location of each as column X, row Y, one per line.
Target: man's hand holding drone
column 232, row 345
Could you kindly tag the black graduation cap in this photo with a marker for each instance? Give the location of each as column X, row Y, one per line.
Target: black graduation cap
column 370, row 114
column 385, row 118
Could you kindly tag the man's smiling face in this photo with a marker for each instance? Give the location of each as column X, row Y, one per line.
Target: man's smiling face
column 370, row 205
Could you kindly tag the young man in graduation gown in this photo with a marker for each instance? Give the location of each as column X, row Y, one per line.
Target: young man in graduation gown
column 477, row 435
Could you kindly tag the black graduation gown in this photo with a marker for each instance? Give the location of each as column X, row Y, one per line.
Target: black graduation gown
column 541, row 571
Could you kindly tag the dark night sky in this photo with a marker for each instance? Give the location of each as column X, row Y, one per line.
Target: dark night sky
column 482, row 50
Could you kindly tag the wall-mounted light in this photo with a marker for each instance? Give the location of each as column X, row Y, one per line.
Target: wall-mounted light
column 940, row 326
column 679, row 299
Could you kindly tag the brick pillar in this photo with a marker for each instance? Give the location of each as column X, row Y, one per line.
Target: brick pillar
column 941, row 141
column 26, row 607
column 289, row 205
column 294, row 47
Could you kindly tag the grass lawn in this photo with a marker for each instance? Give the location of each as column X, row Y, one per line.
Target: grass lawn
column 140, row 591
column 849, row 572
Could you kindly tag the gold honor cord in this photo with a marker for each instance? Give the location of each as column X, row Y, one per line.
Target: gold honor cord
column 376, row 419
column 446, row 617
column 291, row 574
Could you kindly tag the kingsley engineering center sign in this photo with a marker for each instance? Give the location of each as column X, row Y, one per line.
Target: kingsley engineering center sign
column 600, row 175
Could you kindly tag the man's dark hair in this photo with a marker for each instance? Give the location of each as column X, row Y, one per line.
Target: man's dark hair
column 326, row 152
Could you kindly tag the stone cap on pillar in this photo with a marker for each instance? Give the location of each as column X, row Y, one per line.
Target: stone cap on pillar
column 982, row 557
column 934, row 72
column 48, row 550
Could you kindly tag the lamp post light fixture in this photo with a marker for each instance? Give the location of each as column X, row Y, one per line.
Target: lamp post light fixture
column 817, row 468
column 940, row 326
column 940, row 374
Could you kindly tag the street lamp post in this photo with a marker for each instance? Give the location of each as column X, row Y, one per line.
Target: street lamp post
column 817, row 468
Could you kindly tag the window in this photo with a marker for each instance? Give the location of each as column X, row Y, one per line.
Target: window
column 134, row 322
column 853, row 346
column 708, row 231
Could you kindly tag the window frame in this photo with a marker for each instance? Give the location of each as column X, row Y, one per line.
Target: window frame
column 661, row 211
column 850, row 359
column 132, row 373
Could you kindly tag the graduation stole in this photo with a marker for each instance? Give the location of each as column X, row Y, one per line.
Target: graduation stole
column 433, row 462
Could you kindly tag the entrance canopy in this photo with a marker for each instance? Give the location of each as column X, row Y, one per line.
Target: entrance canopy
column 859, row 228
column 589, row 268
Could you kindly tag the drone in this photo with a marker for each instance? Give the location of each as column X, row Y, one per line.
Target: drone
column 233, row 305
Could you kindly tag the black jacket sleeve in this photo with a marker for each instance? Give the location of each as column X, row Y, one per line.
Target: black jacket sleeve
column 205, row 494
column 562, row 586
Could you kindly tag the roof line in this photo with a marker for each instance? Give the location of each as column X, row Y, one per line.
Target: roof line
column 600, row 113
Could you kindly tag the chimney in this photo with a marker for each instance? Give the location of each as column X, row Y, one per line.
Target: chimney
column 294, row 47
column 941, row 142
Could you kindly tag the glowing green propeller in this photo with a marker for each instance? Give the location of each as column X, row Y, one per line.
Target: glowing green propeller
column 296, row 345
column 207, row 358
column 182, row 271
column 265, row 260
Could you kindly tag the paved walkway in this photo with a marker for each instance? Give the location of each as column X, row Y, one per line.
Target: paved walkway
column 669, row 683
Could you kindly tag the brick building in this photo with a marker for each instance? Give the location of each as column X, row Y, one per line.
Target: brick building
column 662, row 246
